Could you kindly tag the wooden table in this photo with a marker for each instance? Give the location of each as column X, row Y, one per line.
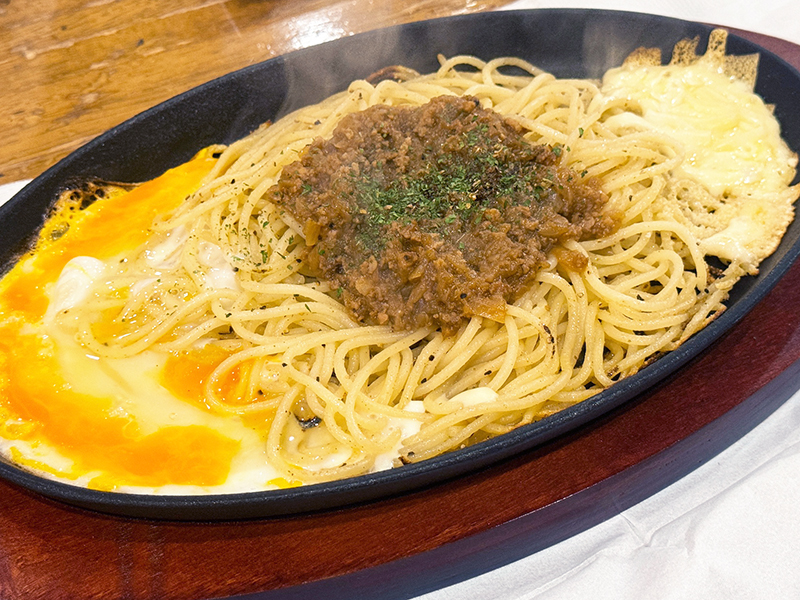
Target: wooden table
column 68, row 74
column 72, row 69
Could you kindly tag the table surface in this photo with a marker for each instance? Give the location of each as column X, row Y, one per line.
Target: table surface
column 73, row 69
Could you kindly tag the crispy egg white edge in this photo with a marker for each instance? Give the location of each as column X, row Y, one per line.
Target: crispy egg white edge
column 732, row 146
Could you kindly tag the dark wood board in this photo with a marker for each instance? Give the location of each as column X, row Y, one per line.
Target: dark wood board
column 431, row 537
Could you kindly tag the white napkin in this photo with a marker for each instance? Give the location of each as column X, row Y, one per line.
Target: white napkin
column 9, row 189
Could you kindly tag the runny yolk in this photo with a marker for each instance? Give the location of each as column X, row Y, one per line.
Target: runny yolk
column 84, row 428
column 102, row 230
column 185, row 375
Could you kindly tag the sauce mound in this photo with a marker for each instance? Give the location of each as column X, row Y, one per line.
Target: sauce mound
column 429, row 215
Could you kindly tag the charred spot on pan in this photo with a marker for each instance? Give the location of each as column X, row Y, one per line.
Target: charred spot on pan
column 75, row 196
column 392, row 73
column 309, row 423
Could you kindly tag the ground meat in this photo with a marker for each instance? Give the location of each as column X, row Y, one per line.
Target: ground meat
column 430, row 215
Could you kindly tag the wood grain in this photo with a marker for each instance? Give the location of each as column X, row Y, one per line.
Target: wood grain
column 52, row 551
column 73, row 69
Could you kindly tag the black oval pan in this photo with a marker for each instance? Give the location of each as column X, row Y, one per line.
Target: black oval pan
column 568, row 43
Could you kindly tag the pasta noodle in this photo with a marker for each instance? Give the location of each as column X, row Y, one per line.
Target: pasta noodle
column 223, row 276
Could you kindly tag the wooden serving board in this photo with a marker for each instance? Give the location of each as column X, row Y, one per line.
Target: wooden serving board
column 422, row 540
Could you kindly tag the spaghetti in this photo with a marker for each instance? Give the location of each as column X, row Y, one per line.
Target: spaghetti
column 223, row 283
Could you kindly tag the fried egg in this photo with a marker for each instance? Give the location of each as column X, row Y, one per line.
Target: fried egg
column 113, row 424
column 138, row 424
column 736, row 169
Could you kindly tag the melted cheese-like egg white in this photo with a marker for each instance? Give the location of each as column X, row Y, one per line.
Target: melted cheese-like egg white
column 104, row 423
column 732, row 147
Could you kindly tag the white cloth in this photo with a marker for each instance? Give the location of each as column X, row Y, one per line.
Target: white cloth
column 729, row 530
column 778, row 18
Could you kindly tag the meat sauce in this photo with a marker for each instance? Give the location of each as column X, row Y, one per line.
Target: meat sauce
column 427, row 216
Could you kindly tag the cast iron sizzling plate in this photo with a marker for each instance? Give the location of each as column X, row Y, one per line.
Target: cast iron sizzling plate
column 568, row 43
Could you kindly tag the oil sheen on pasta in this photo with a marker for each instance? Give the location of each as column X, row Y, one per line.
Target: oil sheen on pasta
column 175, row 338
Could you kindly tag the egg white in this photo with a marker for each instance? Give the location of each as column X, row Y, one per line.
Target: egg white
column 732, row 147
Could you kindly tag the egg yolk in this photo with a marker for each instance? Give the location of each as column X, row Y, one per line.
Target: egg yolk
column 186, row 372
column 92, row 431
column 102, row 230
